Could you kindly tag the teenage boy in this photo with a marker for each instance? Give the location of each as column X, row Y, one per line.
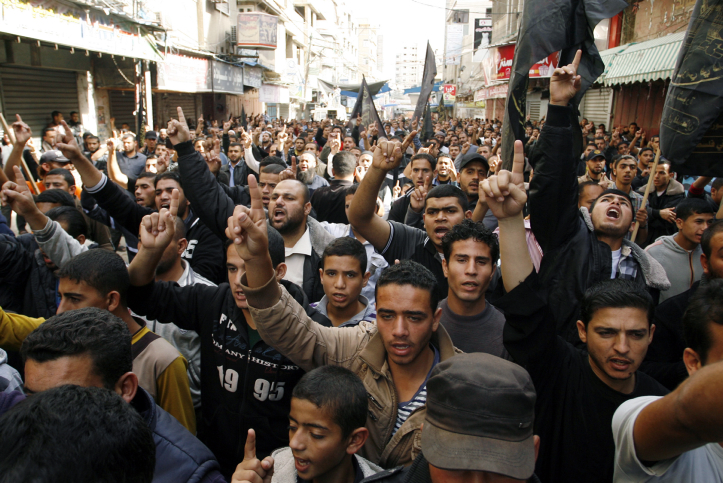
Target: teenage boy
column 343, row 276
column 679, row 254
column 393, row 358
column 678, row 437
column 375, row 262
column 470, row 261
column 245, row 382
column 577, row 390
column 326, row 430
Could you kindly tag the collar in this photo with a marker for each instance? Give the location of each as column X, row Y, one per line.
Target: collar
column 362, row 315
column 185, row 278
column 302, row 247
column 341, row 182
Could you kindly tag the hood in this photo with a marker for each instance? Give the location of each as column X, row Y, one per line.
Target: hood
column 669, row 243
column 653, row 271
column 285, row 471
column 3, row 357
column 319, row 237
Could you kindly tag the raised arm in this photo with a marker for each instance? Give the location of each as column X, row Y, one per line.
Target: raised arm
column 89, row 174
column 506, row 197
column 208, row 199
column 553, row 190
column 22, row 136
column 114, row 172
column 249, row 158
column 376, row 230
column 689, row 417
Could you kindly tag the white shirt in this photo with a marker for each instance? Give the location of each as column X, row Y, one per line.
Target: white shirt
column 704, row 464
column 295, row 257
column 616, row 260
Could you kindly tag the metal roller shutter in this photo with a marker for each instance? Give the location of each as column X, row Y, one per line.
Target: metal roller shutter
column 187, row 102
column 122, row 106
column 598, row 106
column 533, row 106
column 35, row 94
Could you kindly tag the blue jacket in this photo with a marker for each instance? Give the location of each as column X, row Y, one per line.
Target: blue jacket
column 180, row 456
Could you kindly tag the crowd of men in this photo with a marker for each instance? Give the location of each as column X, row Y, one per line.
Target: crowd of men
column 258, row 300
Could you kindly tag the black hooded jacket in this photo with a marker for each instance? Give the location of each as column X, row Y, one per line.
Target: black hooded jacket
column 245, row 383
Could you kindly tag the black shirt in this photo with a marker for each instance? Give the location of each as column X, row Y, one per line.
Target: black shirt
column 329, row 201
column 574, row 409
column 407, row 243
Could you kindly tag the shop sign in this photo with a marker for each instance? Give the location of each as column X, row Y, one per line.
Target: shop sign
column 62, row 24
column 498, row 65
column 256, row 30
column 449, row 92
column 252, row 76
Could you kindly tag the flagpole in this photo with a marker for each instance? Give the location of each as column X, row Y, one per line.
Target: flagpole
column 647, row 189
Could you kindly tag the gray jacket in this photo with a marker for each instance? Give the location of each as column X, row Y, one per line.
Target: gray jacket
column 285, row 471
column 682, row 267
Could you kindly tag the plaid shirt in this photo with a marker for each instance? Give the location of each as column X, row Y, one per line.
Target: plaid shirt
column 627, row 268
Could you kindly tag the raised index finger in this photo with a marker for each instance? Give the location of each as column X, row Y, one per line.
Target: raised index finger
column 256, row 202
column 175, row 195
column 576, row 60
column 250, row 447
column 181, row 117
column 518, row 163
column 20, row 180
column 293, row 164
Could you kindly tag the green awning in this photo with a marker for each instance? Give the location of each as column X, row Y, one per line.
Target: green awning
column 640, row 62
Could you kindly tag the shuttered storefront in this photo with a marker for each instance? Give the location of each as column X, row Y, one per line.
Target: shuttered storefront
column 122, row 107
column 186, row 101
column 597, row 106
column 35, row 94
column 533, row 106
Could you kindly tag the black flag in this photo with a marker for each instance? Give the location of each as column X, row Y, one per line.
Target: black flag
column 691, row 131
column 430, row 72
column 550, row 26
column 441, row 111
column 365, row 106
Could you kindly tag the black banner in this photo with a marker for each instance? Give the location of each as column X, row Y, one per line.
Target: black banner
column 550, row 26
column 365, row 106
column 691, row 130
column 430, row 72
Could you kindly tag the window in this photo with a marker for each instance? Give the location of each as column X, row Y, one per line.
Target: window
column 460, row 16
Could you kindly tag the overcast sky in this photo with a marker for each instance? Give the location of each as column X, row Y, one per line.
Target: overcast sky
column 402, row 22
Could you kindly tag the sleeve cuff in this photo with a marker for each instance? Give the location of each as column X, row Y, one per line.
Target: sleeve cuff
column 184, row 148
column 262, row 297
column 558, row 116
column 696, row 191
column 99, row 186
column 46, row 233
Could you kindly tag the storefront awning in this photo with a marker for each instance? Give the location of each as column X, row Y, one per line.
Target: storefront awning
column 645, row 61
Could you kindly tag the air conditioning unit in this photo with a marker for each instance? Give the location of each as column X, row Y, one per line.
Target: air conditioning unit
column 233, row 36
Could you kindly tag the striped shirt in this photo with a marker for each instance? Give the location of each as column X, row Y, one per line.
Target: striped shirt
column 405, row 409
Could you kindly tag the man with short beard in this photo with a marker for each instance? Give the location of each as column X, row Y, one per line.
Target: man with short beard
column 296, row 149
column 306, row 172
column 580, row 248
column 595, row 162
column 96, row 153
column 304, row 238
column 236, row 171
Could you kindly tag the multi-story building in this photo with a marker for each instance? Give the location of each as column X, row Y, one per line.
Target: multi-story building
column 368, row 50
column 409, row 66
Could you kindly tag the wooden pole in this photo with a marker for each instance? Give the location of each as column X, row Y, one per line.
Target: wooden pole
column 647, row 190
column 28, row 174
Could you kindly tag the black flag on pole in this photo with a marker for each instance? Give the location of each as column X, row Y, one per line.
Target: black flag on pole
column 244, row 124
column 430, row 72
column 365, row 106
column 691, row 131
column 550, row 26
